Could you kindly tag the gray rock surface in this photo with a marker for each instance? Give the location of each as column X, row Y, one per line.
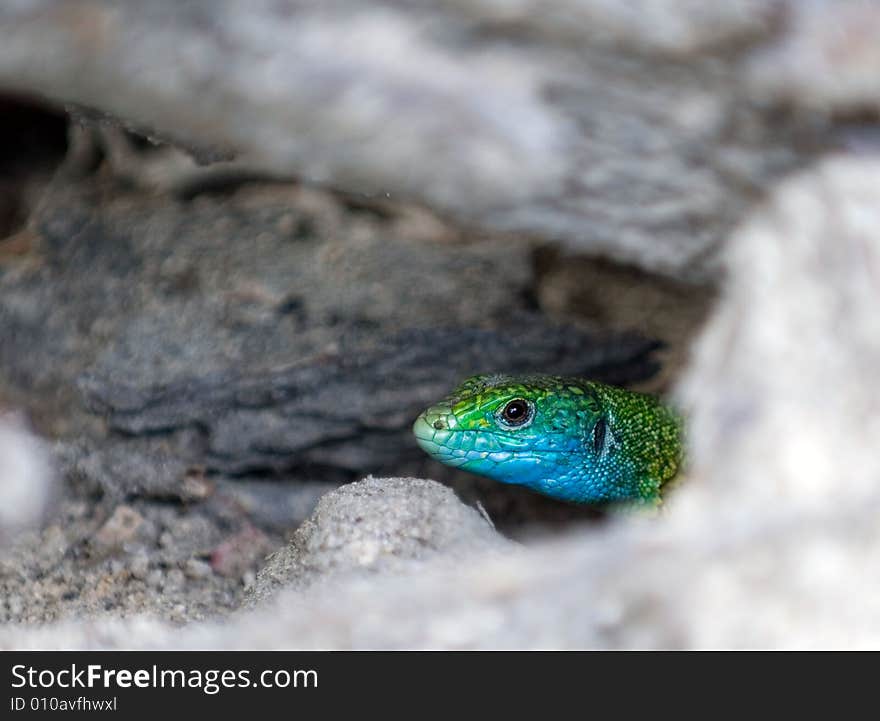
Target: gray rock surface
column 773, row 546
column 353, row 407
column 640, row 132
column 234, row 388
column 204, row 321
column 28, row 482
column 312, row 353
column 89, row 561
column 782, row 377
column 377, row 526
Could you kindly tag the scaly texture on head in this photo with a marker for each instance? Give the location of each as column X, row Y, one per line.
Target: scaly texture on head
column 568, row 438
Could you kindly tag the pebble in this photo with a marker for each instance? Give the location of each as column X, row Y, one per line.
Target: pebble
column 16, row 605
column 197, row 569
column 239, row 552
column 122, row 526
column 139, row 566
column 175, row 578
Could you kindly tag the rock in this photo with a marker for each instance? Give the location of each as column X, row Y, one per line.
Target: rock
column 822, row 60
column 117, row 470
column 122, row 527
column 378, row 525
column 197, row 569
column 139, row 566
column 27, row 478
column 271, row 332
column 340, row 409
column 576, row 288
column 765, row 543
column 790, row 421
column 240, row 552
column 305, row 380
column 635, row 135
column 175, row 578
column 271, row 503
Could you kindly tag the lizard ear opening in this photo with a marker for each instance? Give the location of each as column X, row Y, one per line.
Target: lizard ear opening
column 601, row 437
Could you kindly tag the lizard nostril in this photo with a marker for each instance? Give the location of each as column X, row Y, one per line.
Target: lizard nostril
column 439, row 424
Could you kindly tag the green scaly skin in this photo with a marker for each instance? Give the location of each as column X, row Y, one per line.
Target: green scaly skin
column 572, row 439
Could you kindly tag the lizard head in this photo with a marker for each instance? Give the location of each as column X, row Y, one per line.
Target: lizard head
column 528, row 430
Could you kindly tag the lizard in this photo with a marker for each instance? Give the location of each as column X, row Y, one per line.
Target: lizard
column 572, row 439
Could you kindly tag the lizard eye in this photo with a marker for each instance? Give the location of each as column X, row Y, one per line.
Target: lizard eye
column 516, row 412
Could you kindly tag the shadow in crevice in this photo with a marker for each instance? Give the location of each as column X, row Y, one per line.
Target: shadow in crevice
column 33, row 143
